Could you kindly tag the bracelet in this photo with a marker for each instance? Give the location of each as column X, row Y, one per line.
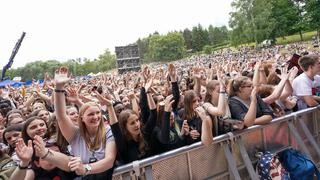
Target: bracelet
column 46, row 154
column 21, row 167
column 59, row 90
column 223, row 92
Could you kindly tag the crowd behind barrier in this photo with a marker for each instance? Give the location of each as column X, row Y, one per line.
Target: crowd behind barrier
column 152, row 123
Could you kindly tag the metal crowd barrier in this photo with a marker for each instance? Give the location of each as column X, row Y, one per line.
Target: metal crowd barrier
column 233, row 155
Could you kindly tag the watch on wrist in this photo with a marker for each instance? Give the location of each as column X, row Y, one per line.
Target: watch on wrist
column 88, row 169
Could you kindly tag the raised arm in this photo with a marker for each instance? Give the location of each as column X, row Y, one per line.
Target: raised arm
column 73, row 97
column 24, row 152
column 249, row 118
column 164, row 134
column 134, row 102
column 222, row 103
column 152, row 119
column 206, row 129
column 175, row 87
column 66, row 126
column 288, row 90
column 279, row 88
column 56, row 158
column 115, row 127
column 256, row 75
column 197, row 79
column 46, row 98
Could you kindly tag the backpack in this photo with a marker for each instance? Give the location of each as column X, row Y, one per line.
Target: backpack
column 7, row 167
column 298, row 165
column 270, row 168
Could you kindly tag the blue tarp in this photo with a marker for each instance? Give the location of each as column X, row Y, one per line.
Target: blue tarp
column 7, row 82
column 11, row 83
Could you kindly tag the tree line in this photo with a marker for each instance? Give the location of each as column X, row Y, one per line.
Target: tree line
column 77, row 67
column 258, row 20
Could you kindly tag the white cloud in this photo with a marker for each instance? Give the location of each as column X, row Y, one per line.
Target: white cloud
column 65, row 29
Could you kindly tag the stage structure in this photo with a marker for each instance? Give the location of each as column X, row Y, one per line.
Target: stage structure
column 128, row 58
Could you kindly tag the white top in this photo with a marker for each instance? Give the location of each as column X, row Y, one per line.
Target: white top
column 302, row 86
column 79, row 147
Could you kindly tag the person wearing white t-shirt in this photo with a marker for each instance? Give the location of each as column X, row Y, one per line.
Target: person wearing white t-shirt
column 303, row 84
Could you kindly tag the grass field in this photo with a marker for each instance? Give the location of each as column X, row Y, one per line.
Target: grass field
column 307, row 36
column 295, row 38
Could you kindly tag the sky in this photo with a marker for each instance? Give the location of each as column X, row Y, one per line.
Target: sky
column 70, row 29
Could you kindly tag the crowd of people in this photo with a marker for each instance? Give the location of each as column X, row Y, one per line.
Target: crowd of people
column 83, row 129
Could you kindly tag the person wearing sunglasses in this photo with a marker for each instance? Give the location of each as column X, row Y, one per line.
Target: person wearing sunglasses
column 246, row 105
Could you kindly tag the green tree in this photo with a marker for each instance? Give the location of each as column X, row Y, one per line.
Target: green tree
column 251, row 21
column 106, row 61
column 166, row 47
column 200, row 37
column 313, row 14
column 285, row 14
column 187, row 35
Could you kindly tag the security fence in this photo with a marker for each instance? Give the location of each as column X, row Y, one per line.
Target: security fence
column 233, row 155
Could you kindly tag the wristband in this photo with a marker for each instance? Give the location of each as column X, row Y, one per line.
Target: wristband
column 59, row 90
column 46, row 154
column 223, row 92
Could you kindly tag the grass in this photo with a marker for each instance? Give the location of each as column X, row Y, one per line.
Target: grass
column 296, row 38
column 280, row 41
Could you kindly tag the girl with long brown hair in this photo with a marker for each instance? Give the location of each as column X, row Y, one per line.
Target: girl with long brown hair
column 134, row 140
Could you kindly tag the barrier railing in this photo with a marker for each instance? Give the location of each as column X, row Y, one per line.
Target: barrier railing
column 232, row 155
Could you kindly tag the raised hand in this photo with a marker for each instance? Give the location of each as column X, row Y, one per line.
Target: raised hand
column 253, row 95
column 39, row 146
column 131, row 95
column 103, row 100
column 284, row 72
column 202, row 113
column 24, row 152
column 61, row 76
column 221, row 79
column 148, row 84
column 293, row 72
column 196, row 72
column 258, row 65
column 168, row 103
column 146, row 73
column 72, row 95
column 172, row 73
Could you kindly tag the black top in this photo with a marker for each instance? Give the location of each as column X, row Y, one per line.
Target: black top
column 195, row 123
column 54, row 174
column 143, row 103
column 176, row 96
column 239, row 110
column 128, row 150
column 168, row 137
